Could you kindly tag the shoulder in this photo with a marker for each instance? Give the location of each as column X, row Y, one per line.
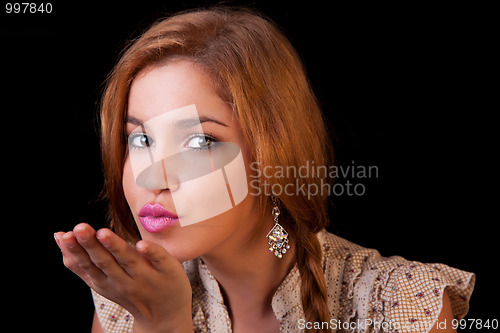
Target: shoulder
column 390, row 290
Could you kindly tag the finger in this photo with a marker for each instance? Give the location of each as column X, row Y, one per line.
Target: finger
column 159, row 258
column 68, row 258
column 124, row 254
column 98, row 254
column 56, row 237
column 76, row 259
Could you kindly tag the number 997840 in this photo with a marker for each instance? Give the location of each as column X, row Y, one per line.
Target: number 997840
column 28, row 8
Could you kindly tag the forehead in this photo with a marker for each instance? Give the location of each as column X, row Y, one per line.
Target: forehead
column 170, row 86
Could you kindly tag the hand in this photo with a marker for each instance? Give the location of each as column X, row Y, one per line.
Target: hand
column 145, row 280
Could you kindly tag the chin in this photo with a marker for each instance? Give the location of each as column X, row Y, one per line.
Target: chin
column 182, row 252
column 180, row 245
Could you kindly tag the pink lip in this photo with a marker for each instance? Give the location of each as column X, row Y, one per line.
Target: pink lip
column 155, row 218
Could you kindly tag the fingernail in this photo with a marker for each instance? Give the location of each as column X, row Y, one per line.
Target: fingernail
column 66, row 238
column 103, row 239
column 82, row 234
column 57, row 240
column 141, row 247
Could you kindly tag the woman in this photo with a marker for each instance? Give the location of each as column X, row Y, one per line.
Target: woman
column 263, row 262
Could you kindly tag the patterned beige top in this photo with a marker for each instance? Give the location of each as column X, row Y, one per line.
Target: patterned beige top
column 366, row 293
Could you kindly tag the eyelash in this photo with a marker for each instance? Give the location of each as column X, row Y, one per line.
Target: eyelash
column 210, row 137
column 132, row 136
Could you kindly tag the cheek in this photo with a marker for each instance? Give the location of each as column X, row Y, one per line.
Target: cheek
column 130, row 188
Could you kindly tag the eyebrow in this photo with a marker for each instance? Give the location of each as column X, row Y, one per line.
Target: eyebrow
column 190, row 122
column 183, row 123
column 133, row 121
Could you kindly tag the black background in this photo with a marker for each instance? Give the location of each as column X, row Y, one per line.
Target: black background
column 406, row 88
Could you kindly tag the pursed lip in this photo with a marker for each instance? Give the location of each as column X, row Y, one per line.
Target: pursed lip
column 156, row 210
column 155, row 218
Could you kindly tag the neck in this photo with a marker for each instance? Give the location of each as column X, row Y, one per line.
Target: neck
column 247, row 272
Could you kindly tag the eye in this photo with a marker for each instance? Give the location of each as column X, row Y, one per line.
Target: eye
column 140, row 141
column 200, row 141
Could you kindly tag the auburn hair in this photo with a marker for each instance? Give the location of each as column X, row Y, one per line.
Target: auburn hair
column 256, row 70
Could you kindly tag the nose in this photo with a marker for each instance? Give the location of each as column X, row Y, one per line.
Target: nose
column 171, row 188
column 155, row 177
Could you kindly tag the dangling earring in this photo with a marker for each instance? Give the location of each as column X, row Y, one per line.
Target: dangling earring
column 278, row 236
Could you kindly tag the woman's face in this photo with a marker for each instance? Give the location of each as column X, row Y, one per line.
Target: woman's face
column 154, row 94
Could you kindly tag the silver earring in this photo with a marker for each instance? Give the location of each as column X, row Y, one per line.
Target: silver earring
column 278, row 237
